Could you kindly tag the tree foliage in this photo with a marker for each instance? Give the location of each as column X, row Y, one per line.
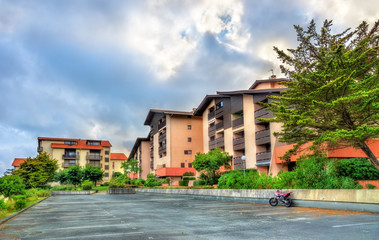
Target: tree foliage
column 131, row 166
column 93, row 174
column 75, row 175
column 210, row 163
column 11, row 185
column 333, row 88
column 37, row 171
column 357, row 169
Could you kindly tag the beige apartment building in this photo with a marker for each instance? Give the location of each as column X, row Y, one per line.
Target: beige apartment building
column 72, row 151
column 141, row 152
column 175, row 137
column 230, row 122
column 115, row 163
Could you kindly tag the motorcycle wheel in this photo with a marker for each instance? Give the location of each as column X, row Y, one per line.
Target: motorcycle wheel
column 273, row 202
column 288, row 202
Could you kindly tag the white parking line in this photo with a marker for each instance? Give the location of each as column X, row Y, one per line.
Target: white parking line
column 356, row 224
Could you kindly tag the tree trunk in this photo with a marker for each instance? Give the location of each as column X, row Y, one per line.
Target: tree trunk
column 370, row 155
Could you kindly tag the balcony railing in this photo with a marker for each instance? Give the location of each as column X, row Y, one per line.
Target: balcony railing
column 151, row 154
column 219, row 126
column 263, row 158
column 69, row 164
column 94, row 157
column 239, row 143
column 162, row 124
column 262, row 113
column 95, row 164
column 219, row 112
column 262, row 137
column 211, row 115
column 70, row 156
column 212, row 130
column 212, row 144
column 162, row 149
column 238, row 163
column 162, row 137
column 152, row 164
column 220, row 142
column 238, row 122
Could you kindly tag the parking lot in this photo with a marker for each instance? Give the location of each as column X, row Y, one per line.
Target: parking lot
column 148, row 216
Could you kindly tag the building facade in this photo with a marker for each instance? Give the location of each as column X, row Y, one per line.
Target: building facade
column 17, row 162
column 231, row 123
column 115, row 163
column 141, row 152
column 175, row 137
column 71, row 151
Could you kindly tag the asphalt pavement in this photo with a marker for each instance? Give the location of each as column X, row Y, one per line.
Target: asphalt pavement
column 149, row 216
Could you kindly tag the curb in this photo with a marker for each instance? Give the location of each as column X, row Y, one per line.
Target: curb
column 21, row 211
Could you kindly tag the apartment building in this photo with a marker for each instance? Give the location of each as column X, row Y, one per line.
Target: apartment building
column 17, row 162
column 175, row 137
column 230, row 122
column 115, row 163
column 72, row 151
column 141, row 152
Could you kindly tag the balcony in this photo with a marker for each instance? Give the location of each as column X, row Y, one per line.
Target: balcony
column 94, row 163
column 70, row 156
column 263, row 159
column 162, row 149
column 239, row 143
column 151, row 154
column 262, row 113
column 152, row 164
column 212, row 130
column 237, row 122
column 238, row 163
column 95, row 157
column 211, row 115
column 162, row 124
column 220, row 142
column 219, row 126
column 262, row 137
column 67, row 164
column 162, row 137
column 219, row 112
column 212, row 144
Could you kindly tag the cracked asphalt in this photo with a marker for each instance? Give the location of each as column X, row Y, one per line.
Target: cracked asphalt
column 151, row 216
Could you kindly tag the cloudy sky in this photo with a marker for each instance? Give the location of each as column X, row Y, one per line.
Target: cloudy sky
column 94, row 68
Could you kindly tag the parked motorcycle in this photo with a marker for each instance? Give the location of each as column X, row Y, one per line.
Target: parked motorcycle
column 281, row 197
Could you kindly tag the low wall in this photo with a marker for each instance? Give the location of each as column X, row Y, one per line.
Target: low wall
column 344, row 199
column 70, row 192
column 121, row 190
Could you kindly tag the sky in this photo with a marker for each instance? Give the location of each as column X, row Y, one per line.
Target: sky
column 92, row 69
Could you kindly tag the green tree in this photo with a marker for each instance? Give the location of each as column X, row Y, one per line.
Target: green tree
column 333, row 89
column 61, row 177
column 131, row 166
column 11, row 185
column 37, row 171
column 75, row 175
column 210, row 163
column 92, row 173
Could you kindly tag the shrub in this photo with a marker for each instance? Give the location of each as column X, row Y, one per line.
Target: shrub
column 20, row 202
column 3, row 206
column 116, row 174
column 183, row 183
column 105, row 184
column 118, row 182
column 198, row 183
column 87, row 185
column 151, row 181
column 284, row 180
column 357, row 169
column 11, row 185
column 370, row 186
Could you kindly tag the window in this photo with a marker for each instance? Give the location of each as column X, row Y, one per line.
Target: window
column 106, row 174
column 189, row 139
column 211, row 109
column 212, row 138
column 106, row 159
column 93, row 143
column 188, row 152
column 182, row 165
column 107, row 152
column 112, row 164
column 219, row 105
column 70, row 142
column 164, row 165
column 189, row 127
column 189, row 165
column 106, row 167
column 160, row 155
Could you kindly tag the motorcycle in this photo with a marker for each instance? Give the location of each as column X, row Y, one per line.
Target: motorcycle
column 281, row 197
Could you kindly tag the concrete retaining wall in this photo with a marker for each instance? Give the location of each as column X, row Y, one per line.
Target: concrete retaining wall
column 354, row 200
column 70, row 192
column 121, row 190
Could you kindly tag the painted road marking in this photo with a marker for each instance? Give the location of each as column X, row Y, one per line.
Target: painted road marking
column 356, row 224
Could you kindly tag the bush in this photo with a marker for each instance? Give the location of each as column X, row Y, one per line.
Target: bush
column 183, row 183
column 118, row 182
column 116, row 174
column 87, row 185
column 370, row 186
column 198, row 183
column 105, row 184
column 357, row 169
column 11, row 185
column 3, row 206
column 151, row 181
column 20, row 202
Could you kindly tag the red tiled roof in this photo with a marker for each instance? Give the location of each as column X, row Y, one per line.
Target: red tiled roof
column 81, row 144
column 347, row 152
column 121, row 156
column 17, row 162
column 173, row 172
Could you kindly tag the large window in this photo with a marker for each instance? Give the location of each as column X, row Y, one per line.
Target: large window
column 189, row 127
column 188, row 152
